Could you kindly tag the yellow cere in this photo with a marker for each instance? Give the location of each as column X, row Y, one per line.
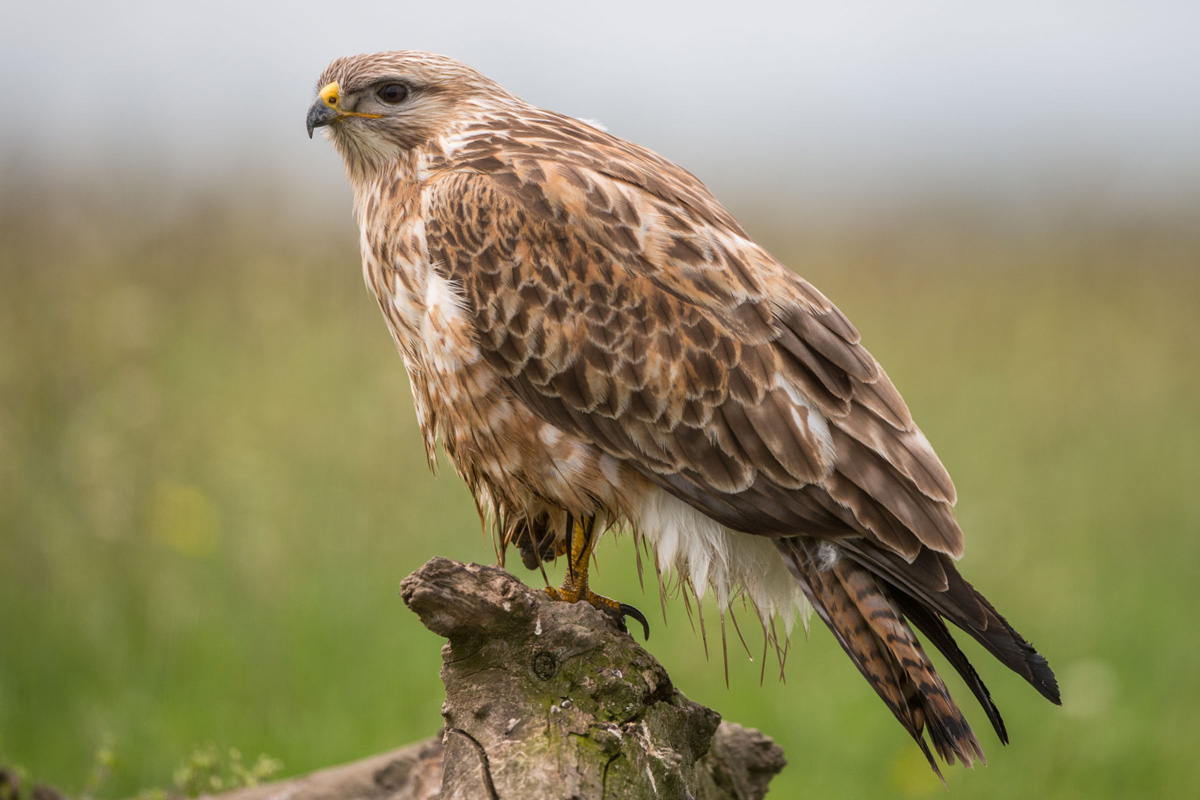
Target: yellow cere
column 329, row 96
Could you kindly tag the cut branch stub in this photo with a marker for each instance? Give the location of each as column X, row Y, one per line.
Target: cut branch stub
column 544, row 700
column 550, row 699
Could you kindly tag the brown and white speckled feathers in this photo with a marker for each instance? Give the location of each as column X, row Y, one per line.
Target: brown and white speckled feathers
column 589, row 332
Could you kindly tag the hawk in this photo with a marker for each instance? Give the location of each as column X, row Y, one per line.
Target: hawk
column 597, row 343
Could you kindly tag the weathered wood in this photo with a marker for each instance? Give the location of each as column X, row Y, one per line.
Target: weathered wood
column 545, row 700
column 410, row 773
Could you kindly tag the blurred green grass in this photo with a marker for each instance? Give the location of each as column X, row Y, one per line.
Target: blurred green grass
column 211, row 484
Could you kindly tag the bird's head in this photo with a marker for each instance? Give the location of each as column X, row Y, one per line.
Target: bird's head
column 379, row 106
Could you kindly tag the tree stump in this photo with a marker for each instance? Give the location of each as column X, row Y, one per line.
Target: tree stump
column 545, row 700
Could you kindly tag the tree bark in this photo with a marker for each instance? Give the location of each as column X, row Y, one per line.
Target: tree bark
column 545, row 699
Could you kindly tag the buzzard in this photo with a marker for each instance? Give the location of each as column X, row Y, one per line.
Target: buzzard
column 597, row 343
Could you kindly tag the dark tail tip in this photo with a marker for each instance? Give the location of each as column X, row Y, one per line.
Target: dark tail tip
column 1042, row 677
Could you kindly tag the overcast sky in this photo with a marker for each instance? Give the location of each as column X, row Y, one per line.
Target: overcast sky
column 857, row 99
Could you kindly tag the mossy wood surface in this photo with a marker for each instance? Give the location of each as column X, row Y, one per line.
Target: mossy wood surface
column 545, row 700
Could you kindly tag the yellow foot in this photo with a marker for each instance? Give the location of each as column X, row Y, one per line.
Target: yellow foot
column 618, row 611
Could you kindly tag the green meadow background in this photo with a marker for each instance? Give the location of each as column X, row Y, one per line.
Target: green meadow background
column 211, row 485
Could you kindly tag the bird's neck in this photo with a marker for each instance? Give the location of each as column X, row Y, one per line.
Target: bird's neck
column 398, row 176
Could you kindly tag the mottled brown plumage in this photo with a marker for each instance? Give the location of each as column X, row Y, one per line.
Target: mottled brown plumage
column 590, row 334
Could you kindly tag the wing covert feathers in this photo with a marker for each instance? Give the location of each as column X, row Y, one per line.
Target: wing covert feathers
column 621, row 302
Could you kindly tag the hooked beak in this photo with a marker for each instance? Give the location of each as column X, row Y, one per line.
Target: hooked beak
column 319, row 115
column 325, row 109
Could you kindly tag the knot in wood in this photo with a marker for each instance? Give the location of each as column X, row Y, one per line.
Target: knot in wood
column 545, row 665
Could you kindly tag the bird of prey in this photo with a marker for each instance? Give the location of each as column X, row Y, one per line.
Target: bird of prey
column 597, row 343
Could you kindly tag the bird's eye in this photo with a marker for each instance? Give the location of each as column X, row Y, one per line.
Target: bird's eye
column 392, row 93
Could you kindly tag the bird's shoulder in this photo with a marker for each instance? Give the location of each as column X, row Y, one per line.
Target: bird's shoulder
column 532, row 147
column 526, row 179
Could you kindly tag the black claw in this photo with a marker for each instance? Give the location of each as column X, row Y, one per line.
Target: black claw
column 629, row 611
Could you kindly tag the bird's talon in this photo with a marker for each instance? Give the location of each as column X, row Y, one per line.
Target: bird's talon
column 618, row 611
column 627, row 610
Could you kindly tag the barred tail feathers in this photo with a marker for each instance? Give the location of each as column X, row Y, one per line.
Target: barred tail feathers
column 865, row 618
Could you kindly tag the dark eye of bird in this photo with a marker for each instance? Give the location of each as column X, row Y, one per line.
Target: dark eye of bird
column 392, row 93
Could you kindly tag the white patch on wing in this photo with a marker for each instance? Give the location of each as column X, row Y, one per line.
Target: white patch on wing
column 704, row 552
column 816, row 421
column 442, row 326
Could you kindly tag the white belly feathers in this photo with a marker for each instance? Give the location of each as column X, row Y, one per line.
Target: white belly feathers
column 708, row 555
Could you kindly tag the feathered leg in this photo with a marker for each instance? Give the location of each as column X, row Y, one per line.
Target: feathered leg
column 575, row 585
